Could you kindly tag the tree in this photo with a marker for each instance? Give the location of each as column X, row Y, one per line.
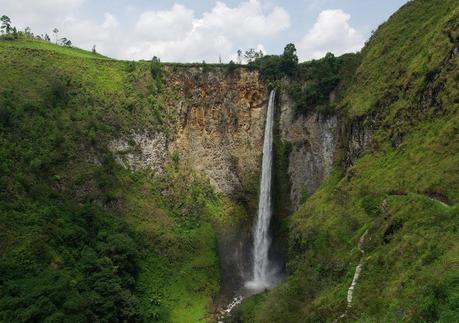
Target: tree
column 28, row 32
column 204, row 67
column 55, row 32
column 94, row 49
column 231, row 67
column 47, row 38
column 289, row 61
column 260, row 54
column 156, row 71
column 6, row 24
column 290, row 53
column 15, row 33
column 65, row 42
column 251, row 55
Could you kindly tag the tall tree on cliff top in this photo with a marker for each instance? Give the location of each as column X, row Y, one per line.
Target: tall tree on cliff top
column 55, row 32
column 289, row 60
column 6, row 24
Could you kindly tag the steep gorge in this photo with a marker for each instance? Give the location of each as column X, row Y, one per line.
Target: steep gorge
column 219, row 133
column 395, row 168
column 173, row 138
column 145, row 184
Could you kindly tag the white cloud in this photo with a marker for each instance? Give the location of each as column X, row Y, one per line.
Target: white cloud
column 178, row 35
column 86, row 33
column 110, row 21
column 43, row 6
column 245, row 20
column 165, row 24
column 330, row 33
column 43, row 15
column 174, row 34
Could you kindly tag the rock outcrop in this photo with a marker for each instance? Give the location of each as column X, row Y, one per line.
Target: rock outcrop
column 220, row 124
column 312, row 139
column 141, row 151
column 217, row 129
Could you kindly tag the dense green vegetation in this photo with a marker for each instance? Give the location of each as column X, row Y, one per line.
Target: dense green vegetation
column 404, row 189
column 275, row 67
column 318, row 80
column 408, row 49
column 83, row 239
column 314, row 86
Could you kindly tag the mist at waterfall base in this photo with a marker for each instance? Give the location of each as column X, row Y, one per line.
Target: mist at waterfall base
column 264, row 273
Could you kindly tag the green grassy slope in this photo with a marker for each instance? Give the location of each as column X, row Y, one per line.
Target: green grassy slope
column 406, row 50
column 31, row 44
column 81, row 238
column 404, row 189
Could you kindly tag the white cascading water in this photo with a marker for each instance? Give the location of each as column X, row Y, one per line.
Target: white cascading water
column 261, row 271
column 263, row 277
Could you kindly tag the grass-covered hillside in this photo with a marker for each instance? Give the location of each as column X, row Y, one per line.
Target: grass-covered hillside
column 401, row 193
column 83, row 239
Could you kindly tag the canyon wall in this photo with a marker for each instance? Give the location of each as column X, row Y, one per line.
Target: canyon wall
column 217, row 130
column 220, row 123
column 215, row 127
column 312, row 141
column 216, row 121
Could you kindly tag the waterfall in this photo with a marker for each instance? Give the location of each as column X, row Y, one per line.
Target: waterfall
column 263, row 273
column 262, row 276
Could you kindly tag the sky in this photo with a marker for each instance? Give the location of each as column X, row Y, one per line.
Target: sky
column 204, row 30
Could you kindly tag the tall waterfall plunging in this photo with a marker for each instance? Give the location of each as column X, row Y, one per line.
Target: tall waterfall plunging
column 262, row 275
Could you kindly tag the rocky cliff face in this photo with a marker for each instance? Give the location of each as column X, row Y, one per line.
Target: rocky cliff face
column 215, row 127
column 218, row 127
column 354, row 137
column 141, row 151
column 218, row 131
column 312, row 140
